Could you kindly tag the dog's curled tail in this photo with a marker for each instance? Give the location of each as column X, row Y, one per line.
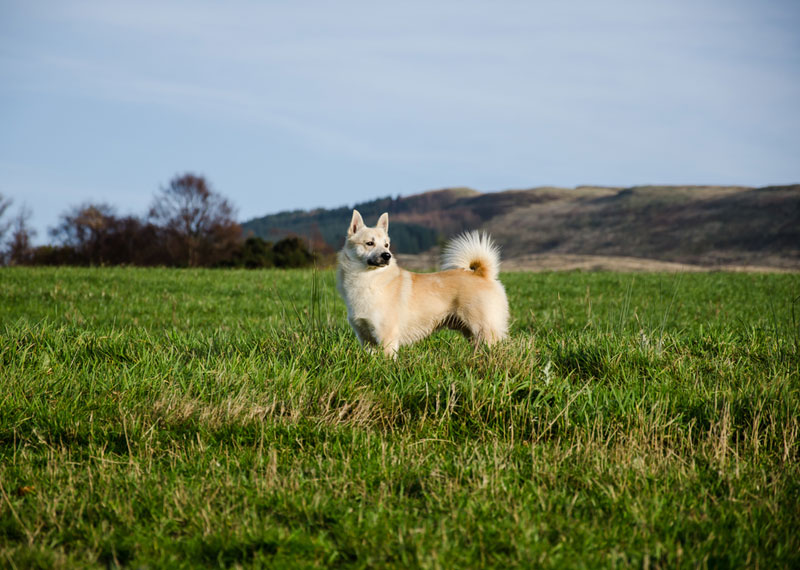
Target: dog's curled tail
column 474, row 251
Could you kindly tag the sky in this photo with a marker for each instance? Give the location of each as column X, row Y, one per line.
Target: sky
column 296, row 105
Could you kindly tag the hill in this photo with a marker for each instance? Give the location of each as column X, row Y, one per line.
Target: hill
column 710, row 226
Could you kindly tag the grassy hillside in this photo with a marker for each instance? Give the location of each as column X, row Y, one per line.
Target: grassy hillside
column 710, row 226
column 705, row 225
column 185, row 418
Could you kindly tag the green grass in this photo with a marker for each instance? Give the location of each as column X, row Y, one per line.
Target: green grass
column 181, row 418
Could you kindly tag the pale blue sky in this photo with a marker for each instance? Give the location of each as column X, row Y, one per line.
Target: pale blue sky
column 285, row 105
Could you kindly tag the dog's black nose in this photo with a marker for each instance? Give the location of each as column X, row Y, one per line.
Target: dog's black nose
column 386, row 256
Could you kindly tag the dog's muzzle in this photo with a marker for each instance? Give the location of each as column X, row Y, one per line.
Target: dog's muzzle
column 380, row 260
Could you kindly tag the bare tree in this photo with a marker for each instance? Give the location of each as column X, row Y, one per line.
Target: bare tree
column 136, row 242
column 20, row 248
column 85, row 228
column 198, row 223
column 5, row 203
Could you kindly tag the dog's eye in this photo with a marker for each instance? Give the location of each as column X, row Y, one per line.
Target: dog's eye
column 370, row 243
column 387, row 245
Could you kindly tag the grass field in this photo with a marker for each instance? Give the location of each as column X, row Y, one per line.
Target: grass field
column 177, row 418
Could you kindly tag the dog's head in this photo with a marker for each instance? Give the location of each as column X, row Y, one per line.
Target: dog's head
column 366, row 245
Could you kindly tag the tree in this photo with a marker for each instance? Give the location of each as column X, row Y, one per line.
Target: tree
column 20, row 249
column 255, row 253
column 5, row 203
column 198, row 223
column 84, row 229
column 131, row 240
column 292, row 252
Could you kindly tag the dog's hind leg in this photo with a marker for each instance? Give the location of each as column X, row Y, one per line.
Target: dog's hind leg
column 486, row 334
column 488, row 322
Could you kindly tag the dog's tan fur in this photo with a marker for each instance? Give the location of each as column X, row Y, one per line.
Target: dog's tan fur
column 389, row 307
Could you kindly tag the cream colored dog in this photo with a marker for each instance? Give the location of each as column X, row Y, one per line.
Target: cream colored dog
column 389, row 307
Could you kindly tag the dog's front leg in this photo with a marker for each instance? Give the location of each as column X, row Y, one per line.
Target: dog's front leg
column 390, row 341
column 390, row 349
column 373, row 337
column 365, row 333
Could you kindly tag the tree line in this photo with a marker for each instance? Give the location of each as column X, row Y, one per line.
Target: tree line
column 188, row 224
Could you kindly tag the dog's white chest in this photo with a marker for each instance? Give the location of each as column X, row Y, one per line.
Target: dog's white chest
column 364, row 296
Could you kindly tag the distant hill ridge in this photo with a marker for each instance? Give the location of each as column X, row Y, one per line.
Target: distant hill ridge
column 701, row 225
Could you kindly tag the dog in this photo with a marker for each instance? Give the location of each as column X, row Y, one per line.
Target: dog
column 389, row 307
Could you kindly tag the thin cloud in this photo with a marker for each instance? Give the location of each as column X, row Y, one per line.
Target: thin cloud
column 362, row 98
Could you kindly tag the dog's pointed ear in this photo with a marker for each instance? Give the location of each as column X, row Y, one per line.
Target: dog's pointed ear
column 383, row 222
column 355, row 224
